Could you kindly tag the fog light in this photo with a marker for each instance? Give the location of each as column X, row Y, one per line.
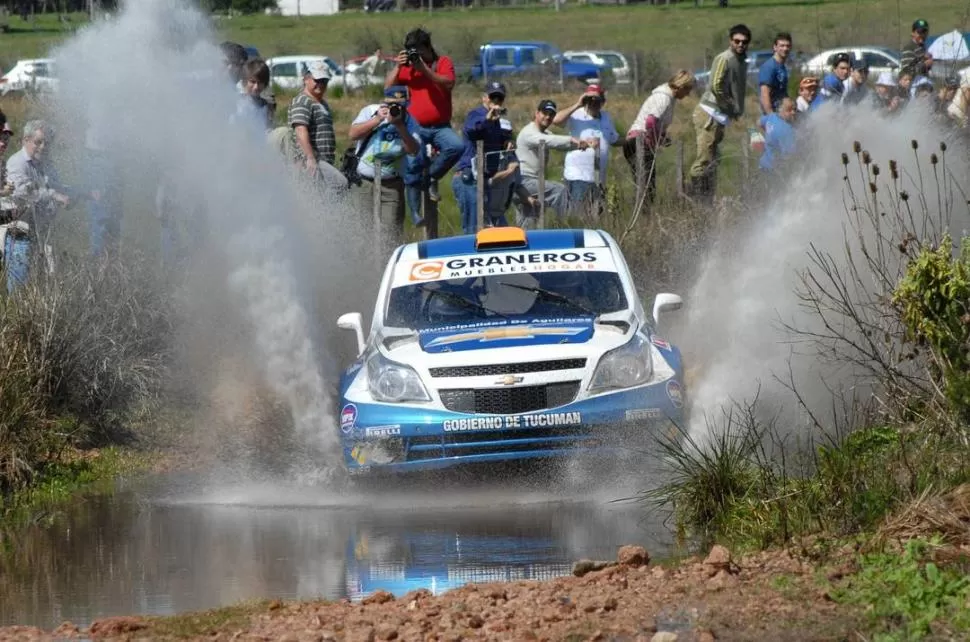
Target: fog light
column 379, row 452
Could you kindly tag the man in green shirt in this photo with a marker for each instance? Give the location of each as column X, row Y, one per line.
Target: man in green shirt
column 722, row 102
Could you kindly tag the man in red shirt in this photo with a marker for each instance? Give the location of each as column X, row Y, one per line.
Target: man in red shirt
column 430, row 78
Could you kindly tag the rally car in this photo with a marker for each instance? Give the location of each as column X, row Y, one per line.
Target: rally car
column 507, row 345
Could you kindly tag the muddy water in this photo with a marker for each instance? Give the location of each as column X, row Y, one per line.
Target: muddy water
column 166, row 550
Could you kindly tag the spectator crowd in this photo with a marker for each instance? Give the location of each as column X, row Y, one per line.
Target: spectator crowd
column 404, row 146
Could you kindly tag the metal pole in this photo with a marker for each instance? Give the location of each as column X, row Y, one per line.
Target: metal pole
column 598, row 184
column 480, row 185
column 541, row 223
column 378, row 228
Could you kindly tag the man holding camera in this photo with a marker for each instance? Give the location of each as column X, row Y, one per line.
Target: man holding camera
column 486, row 123
column 430, row 78
column 586, row 119
column 384, row 132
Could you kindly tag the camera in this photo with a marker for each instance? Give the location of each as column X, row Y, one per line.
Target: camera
column 501, row 111
column 413, row 56
column 395, row 110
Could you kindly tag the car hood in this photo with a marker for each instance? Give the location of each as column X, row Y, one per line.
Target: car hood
column 505, row 334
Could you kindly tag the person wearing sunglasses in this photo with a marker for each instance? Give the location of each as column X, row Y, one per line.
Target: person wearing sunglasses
column 722, row 102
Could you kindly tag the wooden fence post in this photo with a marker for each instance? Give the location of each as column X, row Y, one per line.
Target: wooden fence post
column 640, row 173
column 480, row 185
column 597, row 183
column 745, row 159
column 680, row 168
column 378, row 227
column 541, row 223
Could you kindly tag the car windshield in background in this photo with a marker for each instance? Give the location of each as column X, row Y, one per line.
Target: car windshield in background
column 546, row 294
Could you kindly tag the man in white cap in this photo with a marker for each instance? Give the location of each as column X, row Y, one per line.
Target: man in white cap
column 886, row 97
column 312, row 122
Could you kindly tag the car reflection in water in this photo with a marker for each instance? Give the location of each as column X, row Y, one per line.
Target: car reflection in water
column 401, row 553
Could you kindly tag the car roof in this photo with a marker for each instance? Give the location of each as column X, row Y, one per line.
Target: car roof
column 278, row 59
column 26, row 61
column 518, row 43
column 535, row 240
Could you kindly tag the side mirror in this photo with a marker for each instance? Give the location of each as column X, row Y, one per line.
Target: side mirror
column 664, row 302
column 353, row 321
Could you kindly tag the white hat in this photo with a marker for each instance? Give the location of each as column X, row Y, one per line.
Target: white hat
column 319, row 70
column 886, row 79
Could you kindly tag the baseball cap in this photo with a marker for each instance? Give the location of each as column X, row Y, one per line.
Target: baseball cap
column 859, row 64
column 596, row 90
column 318, row 69
column 921, row 25
column 547, row 105
column 396, row 93
column 885, row 79
column 494, row 87
column 808, row 81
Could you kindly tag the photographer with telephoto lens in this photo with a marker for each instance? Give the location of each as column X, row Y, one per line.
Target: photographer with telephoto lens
column 430, row 78
column 385, row 132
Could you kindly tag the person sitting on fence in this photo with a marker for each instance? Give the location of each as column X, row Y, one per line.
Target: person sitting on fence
column 385, row 132
column 533, row 164
column 651, row 124
column 311, row 119
column 586, row 119
column 39, row 193
column 485, row 123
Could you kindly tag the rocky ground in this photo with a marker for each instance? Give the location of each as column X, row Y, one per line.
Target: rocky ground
column 767, row 596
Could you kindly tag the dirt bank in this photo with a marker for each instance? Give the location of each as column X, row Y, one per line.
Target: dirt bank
column 768, row 596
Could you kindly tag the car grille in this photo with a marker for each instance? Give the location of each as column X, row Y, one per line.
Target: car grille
column 513, row 441
column 509, row 401
column 508, row 368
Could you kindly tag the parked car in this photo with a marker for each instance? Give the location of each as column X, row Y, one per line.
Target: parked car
column 498, row 59
column 880, row 59
column 614, row 60
column 37, row 74
column 508, row 345
column 286, row 72
column 755, row 60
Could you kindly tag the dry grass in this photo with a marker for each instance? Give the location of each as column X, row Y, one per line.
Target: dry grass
column 946, row 515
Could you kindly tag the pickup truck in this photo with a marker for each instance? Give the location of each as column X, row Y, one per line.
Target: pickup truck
column 497, row 59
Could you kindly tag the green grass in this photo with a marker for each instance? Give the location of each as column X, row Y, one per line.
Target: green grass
column 681, row 32
column 206, row 623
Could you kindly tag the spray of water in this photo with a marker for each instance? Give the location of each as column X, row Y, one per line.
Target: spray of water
column 147, row 85
column 745, row 300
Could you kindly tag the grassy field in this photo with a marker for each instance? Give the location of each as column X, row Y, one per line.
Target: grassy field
column 681, row 33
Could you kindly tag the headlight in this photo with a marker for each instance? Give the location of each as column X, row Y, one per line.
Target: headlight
column 394, row 382
column 624, row 367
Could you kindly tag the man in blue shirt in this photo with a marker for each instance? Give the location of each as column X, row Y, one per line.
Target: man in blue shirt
column 833, row 84
column 484, row 123
column 779, row 136
column 773, row 75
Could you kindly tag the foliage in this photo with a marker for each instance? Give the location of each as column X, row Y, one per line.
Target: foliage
column 933, row 299
column 903, row 594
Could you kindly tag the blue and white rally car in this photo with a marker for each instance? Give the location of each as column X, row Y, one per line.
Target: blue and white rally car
column 507, row 345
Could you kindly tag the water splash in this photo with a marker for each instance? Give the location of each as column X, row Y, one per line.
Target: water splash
column 746, row 301
column 148, row 83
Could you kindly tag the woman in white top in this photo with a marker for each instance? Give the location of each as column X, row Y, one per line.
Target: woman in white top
column 651, row 124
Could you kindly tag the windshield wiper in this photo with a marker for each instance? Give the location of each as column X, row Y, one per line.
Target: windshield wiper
column 549, row 295
column 464, row 302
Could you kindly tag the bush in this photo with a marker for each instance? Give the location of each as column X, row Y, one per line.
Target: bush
column 82, row 349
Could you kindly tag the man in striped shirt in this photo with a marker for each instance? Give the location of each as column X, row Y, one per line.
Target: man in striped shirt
column 312, row 123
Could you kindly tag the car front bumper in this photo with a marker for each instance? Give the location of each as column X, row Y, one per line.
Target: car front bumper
column 411, row 437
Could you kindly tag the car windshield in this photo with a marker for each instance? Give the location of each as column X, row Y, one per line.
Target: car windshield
column 503, row 296
column 613, row 60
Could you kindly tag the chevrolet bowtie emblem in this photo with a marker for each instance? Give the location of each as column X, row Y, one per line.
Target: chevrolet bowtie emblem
column 509, row 380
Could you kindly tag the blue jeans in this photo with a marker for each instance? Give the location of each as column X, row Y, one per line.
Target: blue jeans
column 449, row 145
column 104, row 215
column 467, row 198
column 16, row 256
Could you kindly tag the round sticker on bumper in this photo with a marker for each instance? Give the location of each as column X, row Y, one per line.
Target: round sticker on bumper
column 675, row 393
column 348, row 417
